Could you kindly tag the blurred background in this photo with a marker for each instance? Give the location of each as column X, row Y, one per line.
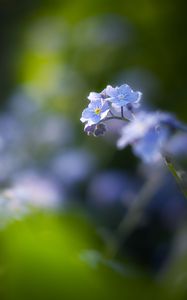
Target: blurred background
column 78, row 218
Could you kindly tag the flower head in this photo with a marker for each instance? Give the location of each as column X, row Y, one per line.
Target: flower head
column 150, row 147
column 122, row 95
column 146, row 135
column 95, row 112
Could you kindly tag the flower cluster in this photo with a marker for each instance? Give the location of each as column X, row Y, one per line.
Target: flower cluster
column 105, row 106
column 147, row 133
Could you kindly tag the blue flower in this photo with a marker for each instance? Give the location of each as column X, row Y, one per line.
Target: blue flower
column 150, row 147
column 96, row 111
column 97, row 96
column 123, row 95
column 147, row 135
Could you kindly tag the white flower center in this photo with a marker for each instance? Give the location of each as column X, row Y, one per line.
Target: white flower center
column 121, row 97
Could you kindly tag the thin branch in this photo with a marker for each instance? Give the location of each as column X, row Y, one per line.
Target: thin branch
column 175, row 174
column 115, row 117
column 122, row 115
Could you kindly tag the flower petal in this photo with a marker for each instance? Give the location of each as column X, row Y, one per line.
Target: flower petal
column 111, row 92
column 94, row 96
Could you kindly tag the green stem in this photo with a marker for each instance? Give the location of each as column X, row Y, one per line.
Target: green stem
column 175, row 174
column 135, row 213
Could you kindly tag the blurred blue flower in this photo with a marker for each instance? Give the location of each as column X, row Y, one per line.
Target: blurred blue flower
column 29, row 190
column 146, row 135
column 36, row 190
column 123, row 95
column 96, row 111
column 111, row 187
column 73, row 166
column 149, row 148
column 136, row 129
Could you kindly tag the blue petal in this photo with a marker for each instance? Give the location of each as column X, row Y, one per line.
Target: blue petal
column 124, row 89
column 95, row 104
column 133, row 97
column 111, row 92
column 148, row 148
column 105, row 107
column 95, row 118
column 94, row 96
column 87, row 113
